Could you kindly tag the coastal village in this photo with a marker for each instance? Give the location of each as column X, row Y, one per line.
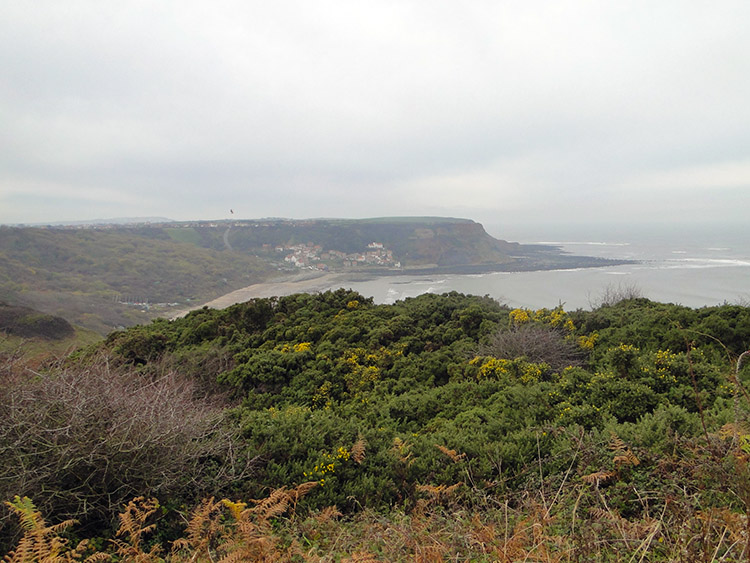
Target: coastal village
column 314, row 257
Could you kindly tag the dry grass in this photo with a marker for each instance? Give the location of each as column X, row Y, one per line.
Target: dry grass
column 271, row 530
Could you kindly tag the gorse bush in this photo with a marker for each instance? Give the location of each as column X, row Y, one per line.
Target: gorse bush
column 451, row 399
column 316, row 371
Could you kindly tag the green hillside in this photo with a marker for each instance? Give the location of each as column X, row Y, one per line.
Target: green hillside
column 104, row 278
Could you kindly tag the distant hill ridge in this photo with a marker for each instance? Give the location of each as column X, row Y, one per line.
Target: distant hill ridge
column 414, row 241
column 111, row 221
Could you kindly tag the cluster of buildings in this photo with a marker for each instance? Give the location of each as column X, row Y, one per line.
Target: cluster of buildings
column 312, row 256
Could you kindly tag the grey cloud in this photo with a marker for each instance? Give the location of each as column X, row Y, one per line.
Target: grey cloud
column 347, row 108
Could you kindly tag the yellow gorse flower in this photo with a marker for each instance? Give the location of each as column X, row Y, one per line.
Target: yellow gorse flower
column 587, row 342
column 328, row 464
column 519, row 316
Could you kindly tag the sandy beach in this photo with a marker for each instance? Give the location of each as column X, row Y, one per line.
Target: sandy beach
column 287, row 285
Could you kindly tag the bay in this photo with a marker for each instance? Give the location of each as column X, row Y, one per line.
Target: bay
column 694, row 266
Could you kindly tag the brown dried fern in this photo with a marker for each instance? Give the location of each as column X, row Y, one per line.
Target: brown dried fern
column 623, row 453
column 452, row 454
column 734, row 522
column 402, row 450
column 252, row 538
column 624, row 457
column 328, row 514
column 41, row 542
column 273, row 505
column 598, row 477
column 358, row 450
column 440, row 492
column 133, row 527
column 360, row 557
column 530, row 540
column 202, row 530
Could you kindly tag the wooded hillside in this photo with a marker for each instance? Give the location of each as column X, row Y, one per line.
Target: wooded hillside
column 105, row 278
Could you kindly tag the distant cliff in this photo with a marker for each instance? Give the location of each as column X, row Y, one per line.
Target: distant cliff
column 416, row 243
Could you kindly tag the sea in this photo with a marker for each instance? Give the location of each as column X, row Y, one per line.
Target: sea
column 692, row 265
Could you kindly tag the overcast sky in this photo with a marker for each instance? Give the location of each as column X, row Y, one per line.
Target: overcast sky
column 498, row 111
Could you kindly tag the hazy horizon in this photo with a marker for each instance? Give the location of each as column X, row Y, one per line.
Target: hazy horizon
column 553, row 112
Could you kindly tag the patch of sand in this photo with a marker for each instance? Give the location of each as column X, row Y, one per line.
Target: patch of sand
column 302, row 283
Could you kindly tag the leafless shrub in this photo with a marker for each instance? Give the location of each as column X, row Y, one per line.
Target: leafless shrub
column 81, row 441
column 612, row 294
column 535, row 343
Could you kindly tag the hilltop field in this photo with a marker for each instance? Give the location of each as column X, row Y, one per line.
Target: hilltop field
column 439, row 428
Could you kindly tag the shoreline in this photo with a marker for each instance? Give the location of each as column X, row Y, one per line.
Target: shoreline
column 277, row 287
column 312, row 282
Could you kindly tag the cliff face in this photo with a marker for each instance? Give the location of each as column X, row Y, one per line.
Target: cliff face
column 426, row 244
column 455, row 244
column 417, row 241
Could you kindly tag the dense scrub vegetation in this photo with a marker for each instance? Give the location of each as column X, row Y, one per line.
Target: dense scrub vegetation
column 586, row 435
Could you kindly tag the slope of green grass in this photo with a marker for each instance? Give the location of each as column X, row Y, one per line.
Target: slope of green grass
column 190, row 236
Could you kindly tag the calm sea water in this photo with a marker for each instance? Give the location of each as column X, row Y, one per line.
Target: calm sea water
column 696, row 266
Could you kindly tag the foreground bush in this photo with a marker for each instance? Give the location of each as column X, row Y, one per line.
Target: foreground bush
column 82, row 441
column 623, row 424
